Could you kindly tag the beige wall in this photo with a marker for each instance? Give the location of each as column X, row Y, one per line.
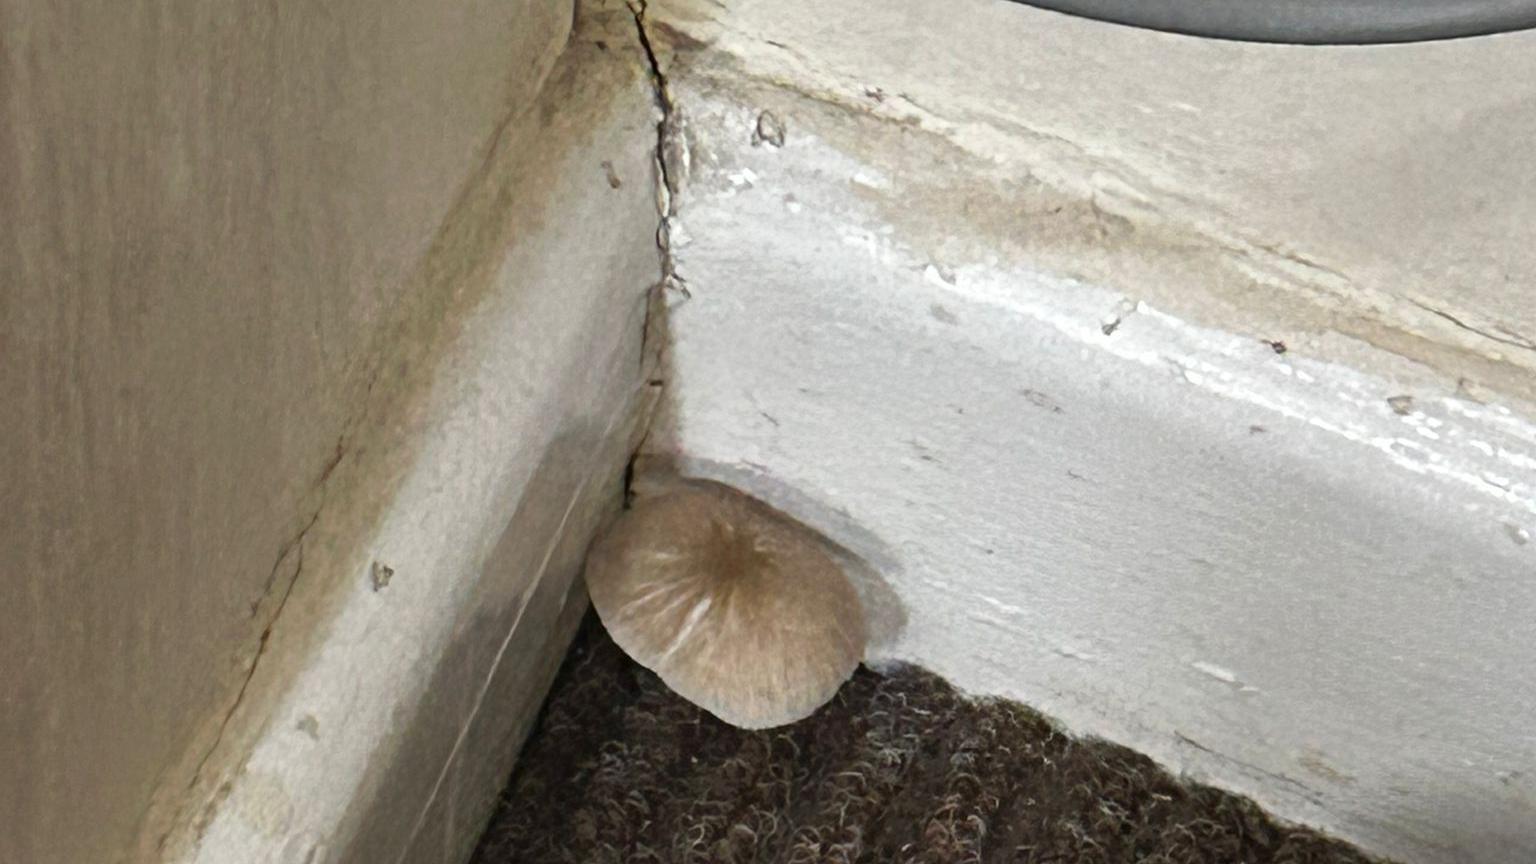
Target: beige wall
column 208, row 209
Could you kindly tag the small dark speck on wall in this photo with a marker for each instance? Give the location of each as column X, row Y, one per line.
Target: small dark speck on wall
column 380, row 574
column 1040, row 400
column 1276, row 345
column 309, row 726
column 769, row 130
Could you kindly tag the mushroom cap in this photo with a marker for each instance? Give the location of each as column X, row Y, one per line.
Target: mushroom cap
column 738, row 608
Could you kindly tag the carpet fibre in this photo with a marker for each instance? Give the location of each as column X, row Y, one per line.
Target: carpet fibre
column 898, row 768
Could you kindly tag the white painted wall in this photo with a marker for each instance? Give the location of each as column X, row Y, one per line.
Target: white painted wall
column 1326, row 191
column 1047, row 419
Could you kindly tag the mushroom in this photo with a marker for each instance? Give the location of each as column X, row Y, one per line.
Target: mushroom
column 737, row 608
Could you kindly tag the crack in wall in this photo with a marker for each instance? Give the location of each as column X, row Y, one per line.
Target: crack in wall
column 1319, row 295
column 671, row 154
column 1295, row 785
column 185, row 819
column 293, row 549
column 1514, row 340
column 671, row 159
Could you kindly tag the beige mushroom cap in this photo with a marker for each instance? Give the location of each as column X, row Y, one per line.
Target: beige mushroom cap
column 739, row 609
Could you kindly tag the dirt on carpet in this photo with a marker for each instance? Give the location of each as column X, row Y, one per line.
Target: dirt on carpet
column 898, row 768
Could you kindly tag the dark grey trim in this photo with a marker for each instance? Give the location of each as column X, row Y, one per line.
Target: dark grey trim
column 1311, row 22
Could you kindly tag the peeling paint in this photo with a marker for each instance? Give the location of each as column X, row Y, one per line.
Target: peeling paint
column 1101, row 453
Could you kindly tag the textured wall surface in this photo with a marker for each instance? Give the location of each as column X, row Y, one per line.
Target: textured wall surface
column 459, row 535
column 1121, row 451
column 322, row 330
column 213, row 212
column 1382, row 194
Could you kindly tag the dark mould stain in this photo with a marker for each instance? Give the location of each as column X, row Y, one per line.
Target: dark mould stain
column 1276, row 345
column 1256, row 430
column 1401, row 405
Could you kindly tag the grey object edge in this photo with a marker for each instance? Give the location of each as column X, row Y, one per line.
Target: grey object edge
column 1310, row 22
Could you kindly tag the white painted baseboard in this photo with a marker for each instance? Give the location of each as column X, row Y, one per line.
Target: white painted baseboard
column 1301, row 572
column 439, row 585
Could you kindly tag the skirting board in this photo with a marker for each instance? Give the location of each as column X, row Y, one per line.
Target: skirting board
column 440, row 580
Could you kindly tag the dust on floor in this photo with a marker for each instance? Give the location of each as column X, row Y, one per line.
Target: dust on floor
column 898, row 768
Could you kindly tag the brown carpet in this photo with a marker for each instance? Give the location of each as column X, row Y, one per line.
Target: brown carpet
column 898, row 768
